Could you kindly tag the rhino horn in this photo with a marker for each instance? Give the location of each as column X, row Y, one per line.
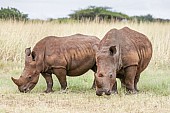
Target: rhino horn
column 16, row 81
column 28, row 51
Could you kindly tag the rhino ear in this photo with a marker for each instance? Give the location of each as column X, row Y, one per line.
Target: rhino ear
column 112, row 50
column 28, row 51
column 33, row 55
column 95, row 47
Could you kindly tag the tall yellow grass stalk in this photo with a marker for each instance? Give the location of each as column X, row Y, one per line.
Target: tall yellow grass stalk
column 16, row 36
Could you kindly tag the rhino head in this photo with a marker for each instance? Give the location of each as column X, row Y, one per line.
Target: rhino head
column 106, row 70
column 30, row 74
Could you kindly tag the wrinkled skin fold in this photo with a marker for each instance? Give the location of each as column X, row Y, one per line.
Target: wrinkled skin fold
column 71, row 55
column 122, row 54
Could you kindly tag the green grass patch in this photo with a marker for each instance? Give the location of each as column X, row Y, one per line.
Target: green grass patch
column 155, row 81
column 151, row 81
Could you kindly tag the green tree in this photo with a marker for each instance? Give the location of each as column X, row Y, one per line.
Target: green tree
column 147, row 17
column 12, row 14
column 103, row 13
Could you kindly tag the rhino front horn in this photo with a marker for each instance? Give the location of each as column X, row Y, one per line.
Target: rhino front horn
column 16, row 81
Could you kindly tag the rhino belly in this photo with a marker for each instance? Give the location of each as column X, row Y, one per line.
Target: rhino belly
column 78, row 67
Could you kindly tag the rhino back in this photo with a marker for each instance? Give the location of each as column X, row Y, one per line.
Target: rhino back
column 135, row 47
column 74, row 53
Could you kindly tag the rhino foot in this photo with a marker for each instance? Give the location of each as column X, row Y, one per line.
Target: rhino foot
column 63, row 90
column 131, row 92
column 114, row 92
column 48, row 91
column 93, row 87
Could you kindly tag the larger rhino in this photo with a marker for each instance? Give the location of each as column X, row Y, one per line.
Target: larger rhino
column 122, row 54
column 71, row 55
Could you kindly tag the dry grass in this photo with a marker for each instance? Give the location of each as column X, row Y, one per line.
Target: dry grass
column 16, row 36
column 154, row 83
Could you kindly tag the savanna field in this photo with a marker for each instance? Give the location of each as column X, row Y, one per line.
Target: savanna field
column 154, row 84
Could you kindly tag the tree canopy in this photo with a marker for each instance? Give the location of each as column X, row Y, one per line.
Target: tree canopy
column 92, row 12
column 147, row 17
column 12, row 14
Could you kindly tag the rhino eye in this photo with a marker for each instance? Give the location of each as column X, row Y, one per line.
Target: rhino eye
column 29, row 78
column 100, row 75
column 110, row 75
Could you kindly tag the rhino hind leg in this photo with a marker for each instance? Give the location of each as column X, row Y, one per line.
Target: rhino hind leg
column 114, row 88
column 130, row 73
column 122, row 80
column 61, row 75
column 49, row 81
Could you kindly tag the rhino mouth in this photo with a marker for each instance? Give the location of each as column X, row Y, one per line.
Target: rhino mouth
column 24, row 90
column 100, row 92
column 27, row 88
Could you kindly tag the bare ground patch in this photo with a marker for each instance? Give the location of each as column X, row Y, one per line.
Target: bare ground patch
column 83, row 103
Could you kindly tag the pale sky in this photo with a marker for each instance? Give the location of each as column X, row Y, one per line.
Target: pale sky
column 44, row 9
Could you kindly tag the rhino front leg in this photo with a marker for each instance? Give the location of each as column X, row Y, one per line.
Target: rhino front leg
column 136, row 81
column 94, row 69
column 61, row 75
column 130, row 73
column 94, row 84
column 49, row 81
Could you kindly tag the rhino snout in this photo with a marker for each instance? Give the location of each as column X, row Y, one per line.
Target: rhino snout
column 107, row 92
column 100, row 92
column 24, row 89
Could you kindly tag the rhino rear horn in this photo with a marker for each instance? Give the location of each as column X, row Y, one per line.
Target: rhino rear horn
column 16, row 81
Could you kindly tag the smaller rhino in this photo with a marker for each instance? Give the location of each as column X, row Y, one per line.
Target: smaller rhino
column 71, row 55
column 122, row 54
